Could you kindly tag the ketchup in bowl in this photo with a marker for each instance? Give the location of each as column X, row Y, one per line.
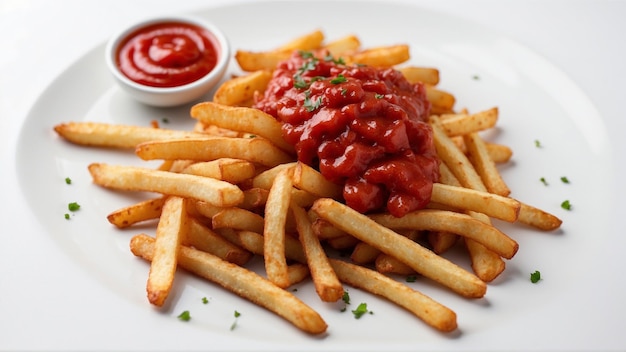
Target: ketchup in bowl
column 167, row 54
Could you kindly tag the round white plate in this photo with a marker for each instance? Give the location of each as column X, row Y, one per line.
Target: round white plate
column 537, row 103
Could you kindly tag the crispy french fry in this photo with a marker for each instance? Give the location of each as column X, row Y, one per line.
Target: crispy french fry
column 493, row 205
column 238, row 219
column 424, row 75
column 107, row 135
column 440, row 100
column 345, row 46
column 307, row 41
column 276, row 210
column 462, row 124
column 266, row 178
column 419, row 258
column 130, row 178
column 256, row 150
column 253, row 242
column 484, row 165
column 237, row 91
column 240, row 281
column 170, row 231
column 386, row 264
column 202, row 238
column 242, row 119
column 441, row 241
column 312, row 181
column 146, row 210
column 424, row 307
column 538, row 218
column 225, row 169
column 499, row 153
column 364, row 253
column 251, row 61
column 327, row 285
column 453, row 222
column 384, row 56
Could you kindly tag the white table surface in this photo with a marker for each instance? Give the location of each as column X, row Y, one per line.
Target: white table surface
column 41, row 38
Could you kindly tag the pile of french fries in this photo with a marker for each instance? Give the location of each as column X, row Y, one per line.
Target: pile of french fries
column 232, row 189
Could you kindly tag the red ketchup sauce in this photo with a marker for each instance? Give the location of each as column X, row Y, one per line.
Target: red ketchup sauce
column 167, row 54
column 362, row 127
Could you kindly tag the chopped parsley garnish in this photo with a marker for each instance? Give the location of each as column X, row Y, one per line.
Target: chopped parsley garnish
column 311, row 105
column 67, row 216
column 379, row 96
column 165, row 120
column 68, row 180
column 299, row 82
column 205, row 300
column 237, row 314
column 535, row 277
column 566, row 205
column 338, row 61
column 360, row 311
column 411, row 278
column 476, row 77
column 346, row 297
column 306, row 54
column 339, row 79
column 543, row 180
column 73, row 206
column 564, row 179
column 184, row 316
column 537, row 143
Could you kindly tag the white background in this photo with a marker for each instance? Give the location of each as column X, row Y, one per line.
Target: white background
column 39, row 39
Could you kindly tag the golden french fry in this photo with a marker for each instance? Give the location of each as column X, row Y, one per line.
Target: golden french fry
column 251, row 61
column 297, row 273
column 243, row 282
column 253, row 242
column 430, row 311
column 538, row 218
column 106, row 135
column 170, row 231
column 386, row 264
column 225, row 169
column 130, row 178
column 312, row 181
column 256, row 150
column 384, row 56
column 327, row 285
column 202, row 238
column 364, row 253
column 424, row 75
column 441, row 241
column 325, row 231
column 499, row 153
column 238, row 219
column 483, row 164
column 419, row 258
column 242, row 119
column 461, row 124
column 440, row 100
column 254, row 198
column 146, row 210
column 237, row 91
column 453, row 222
column 490, row 204
column 276, row 210
column 308, row 41
column 345, row 46
column 266, row 178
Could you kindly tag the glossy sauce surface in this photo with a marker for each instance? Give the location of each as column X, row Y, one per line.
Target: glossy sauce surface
column 167, row 54
column 363, row 127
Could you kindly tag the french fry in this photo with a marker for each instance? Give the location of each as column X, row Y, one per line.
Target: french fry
column 239, row 90
column 256, row 150
column 440, row 100
column 170, row 231
column 484, row 165
column 202, row 238
column 253, row 242
column 419, row 258
column 426, row 75
column 107, row 135
column 312, row 181
column 306, row 42
column 491, row 204
column 538, row 218
column 251, row 61
column 225, row 169
column 364, row 253
column 499, row 153
column 345, row 46
column 276, row 210
column 238, row 219
column 453, row 222
column 146, row 210
column 240, row 281
column 386, row 264
column 384, row 56
column 424, row 307
column 130, row 178
column 242, row 119
column 441, row 241
column 462, row 124
column 327, row 285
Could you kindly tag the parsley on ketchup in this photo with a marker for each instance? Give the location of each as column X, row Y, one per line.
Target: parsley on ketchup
column 362, row 127
column 167, row 54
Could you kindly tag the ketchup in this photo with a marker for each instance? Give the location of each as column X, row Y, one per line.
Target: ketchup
column 362, row 127
column 167, row 54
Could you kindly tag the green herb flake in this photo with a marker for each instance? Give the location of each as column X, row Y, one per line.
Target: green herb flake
column 205, row 300
column 535, row 277
column 67, row 216
column 564, row 179
column 379, row 96
column 339, row 79
column 346, row 297
column 299, row 82
column 543, row 180
column 165, row 120
column 411, row 278
column 234, row 324
column 184, row 316
column 73, row 206
column 306, row 54
column 68, row 180
column 344, row 92
column 360, row 310
column 476, row 77
column 310, row 105
column 566, row 205
column 538, row 143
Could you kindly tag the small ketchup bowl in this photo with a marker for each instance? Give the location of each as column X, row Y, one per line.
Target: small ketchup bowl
column 168, row 61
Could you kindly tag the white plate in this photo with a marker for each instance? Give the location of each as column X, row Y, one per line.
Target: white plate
column 483, row 69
